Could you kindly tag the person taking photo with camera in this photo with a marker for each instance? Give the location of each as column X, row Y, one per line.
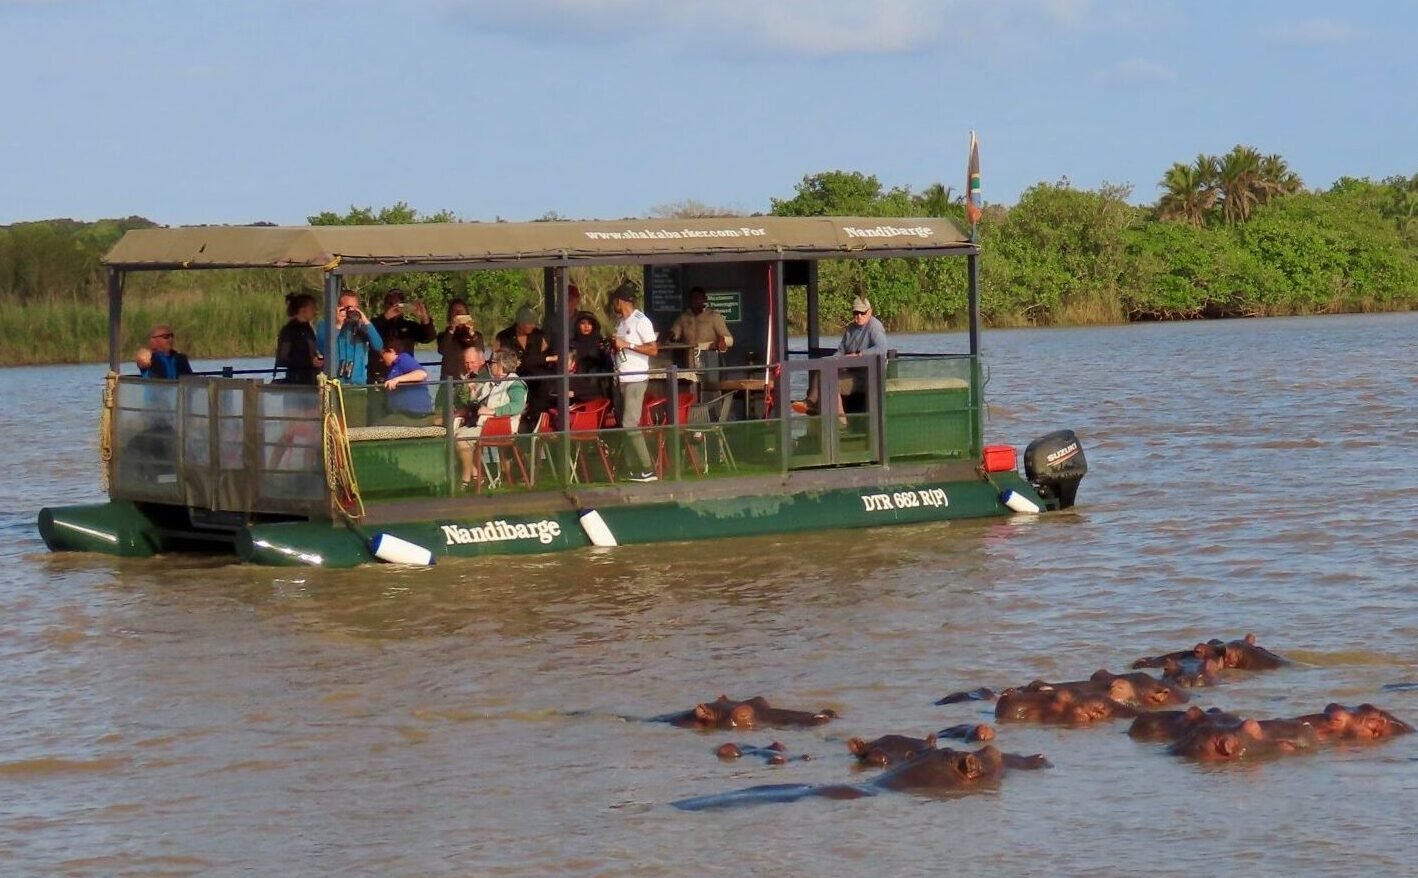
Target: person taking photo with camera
column 355, row 336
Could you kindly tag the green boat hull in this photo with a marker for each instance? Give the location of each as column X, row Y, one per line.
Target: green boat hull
column 125, row 529
column 552, row 530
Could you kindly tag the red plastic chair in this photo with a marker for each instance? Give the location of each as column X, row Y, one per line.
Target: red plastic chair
column 586, row 419
column 654, row 419
column 500, row 432
column 542, row 444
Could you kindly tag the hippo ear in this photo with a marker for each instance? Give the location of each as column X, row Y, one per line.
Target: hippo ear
column 968, row 765
column 1252, row 729
column 857, row 746
column 930, row 739
column 1121, row 690
column 1250, row 639
column 1195, row 713
column 1227, row 745
column 706, row 713
column 1102, row 674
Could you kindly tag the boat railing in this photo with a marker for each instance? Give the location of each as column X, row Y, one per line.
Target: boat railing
column 247, row 446
column 220, row 444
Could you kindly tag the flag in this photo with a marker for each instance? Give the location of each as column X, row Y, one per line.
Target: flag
column 973, row 208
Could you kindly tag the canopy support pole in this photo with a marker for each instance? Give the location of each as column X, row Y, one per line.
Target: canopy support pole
column 814, row 320
column 563, row 349
column 332, row 332
column 115, row 318
column 977, row 425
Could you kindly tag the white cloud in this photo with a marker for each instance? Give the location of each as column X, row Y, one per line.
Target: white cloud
column 802, row 27
column 1313, row 32
column 1140, row 70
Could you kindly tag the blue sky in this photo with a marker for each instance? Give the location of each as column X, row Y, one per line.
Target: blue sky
column 217, row 111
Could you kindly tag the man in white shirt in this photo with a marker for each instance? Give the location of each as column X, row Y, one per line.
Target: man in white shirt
column 635, row 344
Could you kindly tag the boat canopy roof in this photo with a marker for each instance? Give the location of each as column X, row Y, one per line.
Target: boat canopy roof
column 434, row 246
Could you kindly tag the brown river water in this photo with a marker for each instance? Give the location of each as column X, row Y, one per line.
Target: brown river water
column 195, row 717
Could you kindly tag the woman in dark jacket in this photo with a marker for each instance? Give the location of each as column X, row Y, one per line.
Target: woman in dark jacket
column 296, row 351
column 589, row 354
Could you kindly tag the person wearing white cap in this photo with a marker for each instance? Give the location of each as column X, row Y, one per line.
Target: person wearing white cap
column 863, row 336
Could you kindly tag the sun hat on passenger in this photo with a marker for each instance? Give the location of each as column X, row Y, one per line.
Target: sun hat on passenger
column 861, row 303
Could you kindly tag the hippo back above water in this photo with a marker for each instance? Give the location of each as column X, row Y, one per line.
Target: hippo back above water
column 753, row 713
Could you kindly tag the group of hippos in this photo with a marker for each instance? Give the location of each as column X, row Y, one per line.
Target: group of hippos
column 919, row 765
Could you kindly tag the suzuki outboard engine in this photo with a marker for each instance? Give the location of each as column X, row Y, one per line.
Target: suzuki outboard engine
column 1054, row 464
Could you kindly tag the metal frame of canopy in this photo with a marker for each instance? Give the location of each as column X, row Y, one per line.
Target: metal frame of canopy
column 552, row 246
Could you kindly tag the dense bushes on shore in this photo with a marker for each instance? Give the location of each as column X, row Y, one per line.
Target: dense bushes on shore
column 1237, row 243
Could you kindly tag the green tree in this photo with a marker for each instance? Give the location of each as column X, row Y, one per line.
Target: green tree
column 1189, row 191
column 1238, row 180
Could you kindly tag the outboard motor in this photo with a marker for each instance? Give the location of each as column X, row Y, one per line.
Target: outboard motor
column 1054, row 464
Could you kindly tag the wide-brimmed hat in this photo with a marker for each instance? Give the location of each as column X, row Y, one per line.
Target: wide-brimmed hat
column 861, row 303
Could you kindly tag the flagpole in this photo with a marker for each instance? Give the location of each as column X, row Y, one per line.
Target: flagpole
column 972, row 269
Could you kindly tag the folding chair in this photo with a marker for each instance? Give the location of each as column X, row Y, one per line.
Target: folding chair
column 705, row 422
column 500, row 433
column 584, row 431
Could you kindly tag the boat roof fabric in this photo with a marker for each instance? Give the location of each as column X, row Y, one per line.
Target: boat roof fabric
column 502, row 244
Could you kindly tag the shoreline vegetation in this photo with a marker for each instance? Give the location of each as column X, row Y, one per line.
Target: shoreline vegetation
column 1229, row 236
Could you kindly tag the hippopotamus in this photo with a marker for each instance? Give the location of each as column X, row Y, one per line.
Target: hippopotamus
column 1136, row 689
column 1172, row 725
column 1192, row 671
column 984, row 693
column 1363, row 723
column 972, row 732
column 753, row 713
column 1249, row 739
column 889, row 749
column 1067, row 706
column 1241, row 654
column 940, row 771
column 773, row 754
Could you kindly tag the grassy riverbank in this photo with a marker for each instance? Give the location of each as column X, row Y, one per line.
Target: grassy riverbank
column 1235, row 236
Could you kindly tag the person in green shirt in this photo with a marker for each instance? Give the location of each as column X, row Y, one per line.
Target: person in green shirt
column 500, row 394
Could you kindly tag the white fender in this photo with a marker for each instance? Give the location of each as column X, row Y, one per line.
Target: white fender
column 387, row 547
column 1018, row 502
column 596, row 529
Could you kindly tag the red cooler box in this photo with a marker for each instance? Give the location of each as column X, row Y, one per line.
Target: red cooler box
column 1000, row 459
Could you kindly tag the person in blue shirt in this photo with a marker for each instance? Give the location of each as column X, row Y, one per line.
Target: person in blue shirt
column 408, row 400
column 165, row 362
column 864, row 336
column 355, row 336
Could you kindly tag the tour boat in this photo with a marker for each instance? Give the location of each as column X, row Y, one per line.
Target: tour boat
column 286, row 474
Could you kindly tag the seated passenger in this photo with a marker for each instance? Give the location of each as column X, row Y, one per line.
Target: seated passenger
column 864, row 336
column 502, row 393
column 591, row 363
column 408, row 402
column 167, row 362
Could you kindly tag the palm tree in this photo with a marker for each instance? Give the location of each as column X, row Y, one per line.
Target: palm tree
column 934, row 200
column 1238, row 178
column 1276, row 178
column 1189, row 191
